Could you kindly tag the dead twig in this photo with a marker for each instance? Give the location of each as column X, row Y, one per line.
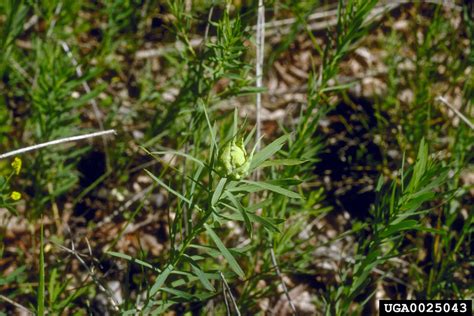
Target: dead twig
column 285, row 289
column 456, row 111
column 17, row 305
column 260, row 36
column 99, row 284
column 227, row 289
column 87, row 89
column 226, row 301
column 55, row 142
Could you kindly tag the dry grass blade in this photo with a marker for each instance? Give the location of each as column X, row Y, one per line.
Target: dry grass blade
column 285, row 289
column 55, row 142
column 229, row 292
column 456, row 111
column 19, row 306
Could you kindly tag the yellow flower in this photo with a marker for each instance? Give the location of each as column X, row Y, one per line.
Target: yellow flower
column 15, row 195
column 16, row 164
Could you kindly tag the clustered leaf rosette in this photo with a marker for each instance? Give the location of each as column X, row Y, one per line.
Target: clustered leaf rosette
column 234, row 162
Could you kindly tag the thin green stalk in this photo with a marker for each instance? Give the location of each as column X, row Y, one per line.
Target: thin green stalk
column 40, row 303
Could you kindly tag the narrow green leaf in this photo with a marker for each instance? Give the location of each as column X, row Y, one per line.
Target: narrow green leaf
column 202, row 277
column 225, row 252
column 132, row 259
column 163, row 307
column 200, row 274
column 167, row 187
column 16, row 274
column 359, row 283
column 249, row 188
column 178, row 293
column 250, row 136
column 400, row 217
column 274, row 188
column 433, row 230
column 12, row 210
column 420, row 166
column 84, row 98
column 40, row 303
column 265, row 222
column 161, row 280
column 413, row 202
column 178, row 153
column 379, row 184
column 405, row 225
column 242, row 211
column 65, row 302
column 338, row 87
column 285, row 182
column 267, row 152
column 213, row 252
column 218, row 192
column 52, row 286
column 209, row 125
column 283, row 162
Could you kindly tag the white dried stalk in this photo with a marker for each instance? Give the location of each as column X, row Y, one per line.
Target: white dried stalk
column 209, row 20
column 104, row 288
column 17, row 305
column 260, row 42
column 85, row 85
column 55, row 19
column 20, row 69
column 456, row 111
column 226, row 301
column 87, row 88
column 285, row 289
column 226, row 287
column 55, row 142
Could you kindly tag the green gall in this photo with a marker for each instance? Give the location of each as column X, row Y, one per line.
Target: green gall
column 233, row 160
